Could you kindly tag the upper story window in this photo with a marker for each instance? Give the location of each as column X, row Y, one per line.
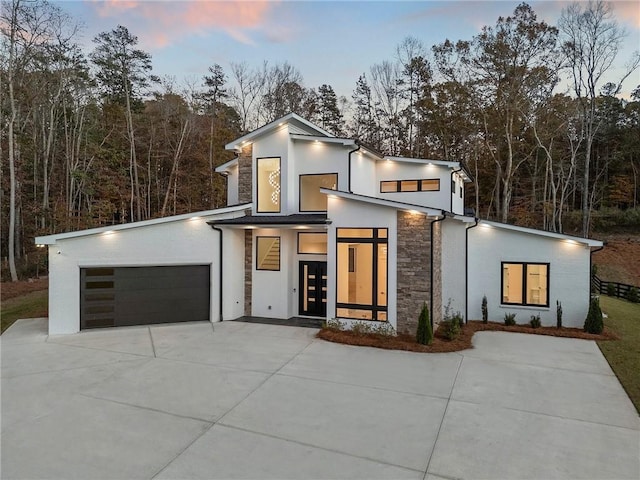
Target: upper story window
column 311, row 200
column 268, row 184
column 424, row 185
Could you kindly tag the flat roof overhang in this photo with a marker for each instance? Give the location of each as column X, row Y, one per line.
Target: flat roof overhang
column 272, row 221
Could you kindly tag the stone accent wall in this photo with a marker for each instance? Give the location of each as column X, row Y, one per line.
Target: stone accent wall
column 414, row 269
column 245, row 174
column 436, row 311
column 248, row 264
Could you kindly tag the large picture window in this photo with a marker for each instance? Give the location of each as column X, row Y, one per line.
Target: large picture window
column 525, row 283
column 311, row 200
column 362, row 273
column 268, row 183
column 268, row 253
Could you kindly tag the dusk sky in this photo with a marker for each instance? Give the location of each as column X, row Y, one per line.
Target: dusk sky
column 329, row 42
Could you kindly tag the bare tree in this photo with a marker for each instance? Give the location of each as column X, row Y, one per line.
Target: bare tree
column 591, row 41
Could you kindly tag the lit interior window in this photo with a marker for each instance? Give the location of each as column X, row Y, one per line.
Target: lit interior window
column 268, row 182
column 311, row 200
column 268, row 253
column 525, row 284
column 314, row 243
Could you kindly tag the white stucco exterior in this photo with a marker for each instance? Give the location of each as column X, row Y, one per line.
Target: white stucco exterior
column 471, row 255
column 183, row 241
column 569, row 276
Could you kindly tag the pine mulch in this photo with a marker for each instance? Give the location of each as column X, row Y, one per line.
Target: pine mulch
column 441, row 344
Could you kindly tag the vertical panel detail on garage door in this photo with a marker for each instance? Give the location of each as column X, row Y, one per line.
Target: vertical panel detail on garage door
column 124, row 296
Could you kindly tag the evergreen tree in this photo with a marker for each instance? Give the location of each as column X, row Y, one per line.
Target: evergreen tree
column 424, row 334
column 328, row 112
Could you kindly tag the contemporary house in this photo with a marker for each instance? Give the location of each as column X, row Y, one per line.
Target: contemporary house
column 318, row 226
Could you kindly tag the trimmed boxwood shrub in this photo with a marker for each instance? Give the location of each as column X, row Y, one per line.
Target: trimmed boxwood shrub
column 593, row 323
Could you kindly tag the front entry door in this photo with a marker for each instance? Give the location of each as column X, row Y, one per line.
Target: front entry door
column 313, row 289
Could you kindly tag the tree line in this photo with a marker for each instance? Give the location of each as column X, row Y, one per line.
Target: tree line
column 94, row 138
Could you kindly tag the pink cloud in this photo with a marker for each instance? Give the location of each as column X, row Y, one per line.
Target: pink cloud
column 159, row 23
column 628, row 12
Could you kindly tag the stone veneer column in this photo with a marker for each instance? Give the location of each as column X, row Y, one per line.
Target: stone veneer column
column 245, row 174
column 414, row 269
column 248, row 263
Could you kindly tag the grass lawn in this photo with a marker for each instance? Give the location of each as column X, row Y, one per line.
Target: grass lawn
column 31, row 305
column 623, row 355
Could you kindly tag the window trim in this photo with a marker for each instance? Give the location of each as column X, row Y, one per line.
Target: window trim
column 419, row 180
column 258, row 186
column 308, row 233
column 279, row 253
column 300, row 189
column 374, row 308
column 524, row 283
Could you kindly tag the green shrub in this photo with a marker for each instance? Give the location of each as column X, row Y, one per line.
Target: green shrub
column 611, row 289
column 485, row 310
column 558, row 314
column 632, row 295
column 535, row 321
column 593, row 323
column 509, row 319
column 452, row 328
column 424, row 335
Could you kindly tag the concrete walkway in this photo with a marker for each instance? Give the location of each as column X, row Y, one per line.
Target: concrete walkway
column 242, row 400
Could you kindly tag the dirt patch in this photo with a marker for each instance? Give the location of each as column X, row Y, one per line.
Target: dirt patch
column 619, row 260
column 16, row 289
column 441, row 344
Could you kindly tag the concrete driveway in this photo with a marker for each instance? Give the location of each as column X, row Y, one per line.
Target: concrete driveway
column 239, row 400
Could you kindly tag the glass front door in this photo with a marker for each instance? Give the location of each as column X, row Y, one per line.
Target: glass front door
column 313, row 289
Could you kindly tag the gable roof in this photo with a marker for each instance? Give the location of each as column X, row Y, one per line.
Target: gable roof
column 291, row 118
column 226, row 211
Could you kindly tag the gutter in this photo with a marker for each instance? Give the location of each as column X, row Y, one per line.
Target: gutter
column 452, row 192
column 431, row 281
column 466, row 270
column 219, row 230
column 349, row 172
column 591, row 252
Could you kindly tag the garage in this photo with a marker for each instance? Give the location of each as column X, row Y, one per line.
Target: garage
column 124, row 296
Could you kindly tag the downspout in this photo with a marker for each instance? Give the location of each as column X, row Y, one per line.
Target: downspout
column 349, row 172
column 431, row 281
column 591, row 252
column 452, row 192
column 466, row 270
column 219, row 230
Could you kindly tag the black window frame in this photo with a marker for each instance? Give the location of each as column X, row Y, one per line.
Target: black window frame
column 300, row 189
column 308, row 233
column 257, row 238
column 524, row 283
column 258, row 185
column 376, row 240
column 419, row 186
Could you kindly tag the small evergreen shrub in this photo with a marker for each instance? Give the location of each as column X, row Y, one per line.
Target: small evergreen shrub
column 509, row 319
column 558, row 314
column 452, row 328
column 424, row 334
column 632, row 295
column 535, row 321
column 611, row 289
column 485, row 310
column 593, row 323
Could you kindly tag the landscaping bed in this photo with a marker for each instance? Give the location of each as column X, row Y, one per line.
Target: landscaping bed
column 441, row 344
column 16, row 289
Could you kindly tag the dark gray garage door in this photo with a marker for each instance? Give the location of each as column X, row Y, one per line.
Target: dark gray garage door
column 113, row 297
